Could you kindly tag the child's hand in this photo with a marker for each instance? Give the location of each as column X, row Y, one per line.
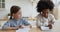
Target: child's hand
column 17, row 27
column 21, row 27
column 50, row 25
column 13, row 28
column 29, row 26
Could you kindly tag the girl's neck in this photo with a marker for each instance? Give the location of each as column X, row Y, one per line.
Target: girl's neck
column 16, row 19
column 44, row 16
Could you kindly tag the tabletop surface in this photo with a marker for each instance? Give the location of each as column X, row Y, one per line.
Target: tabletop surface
column 31, row 30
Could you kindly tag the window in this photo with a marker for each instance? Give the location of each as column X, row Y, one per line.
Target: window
column 2, row 3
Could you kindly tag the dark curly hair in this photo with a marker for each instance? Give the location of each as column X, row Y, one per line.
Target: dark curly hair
column 44, row 5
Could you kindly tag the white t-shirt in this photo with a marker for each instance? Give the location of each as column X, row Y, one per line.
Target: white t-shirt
column 42, row 21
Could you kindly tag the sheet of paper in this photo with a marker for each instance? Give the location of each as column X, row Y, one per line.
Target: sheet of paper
column 23, row 30
column 44, row 28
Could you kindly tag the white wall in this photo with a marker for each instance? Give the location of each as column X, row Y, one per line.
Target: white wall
column 59, row 11
column 26, row 5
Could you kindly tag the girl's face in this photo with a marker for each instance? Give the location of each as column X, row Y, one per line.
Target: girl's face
column 45, row 12
column 17, row 15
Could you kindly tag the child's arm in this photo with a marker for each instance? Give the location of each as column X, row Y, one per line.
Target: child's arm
column 29, row 26
column 50, row 26
column 12, row 28
column 52, row 19
column 7, row 25
column 51, row 22
column 26, row 24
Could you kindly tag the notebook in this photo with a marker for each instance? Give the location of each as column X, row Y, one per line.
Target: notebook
column 45, row 28
column 23, row 30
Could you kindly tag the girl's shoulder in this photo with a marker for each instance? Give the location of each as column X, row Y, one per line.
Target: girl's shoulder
column 10, row 20
column 51, row 15
column 38, row 16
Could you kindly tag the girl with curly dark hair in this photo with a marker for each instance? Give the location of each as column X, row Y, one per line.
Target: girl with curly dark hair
column 45, row 18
